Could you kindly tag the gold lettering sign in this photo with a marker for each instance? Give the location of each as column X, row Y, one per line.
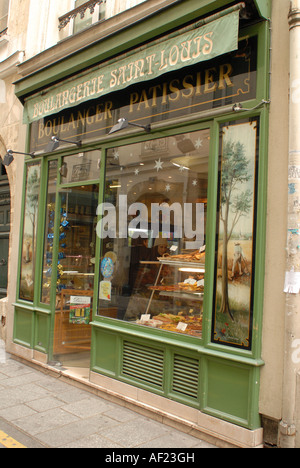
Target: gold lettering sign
column 195, row 46
column 226, row 81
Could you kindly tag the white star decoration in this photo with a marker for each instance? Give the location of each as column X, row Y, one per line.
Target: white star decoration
column 116, row 154
column 168, row 188
column 198, row 143
column 195, row 182
column 136, row 172
column 158, row 165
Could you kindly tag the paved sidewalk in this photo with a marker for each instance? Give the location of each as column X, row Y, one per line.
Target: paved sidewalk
column 55, row 414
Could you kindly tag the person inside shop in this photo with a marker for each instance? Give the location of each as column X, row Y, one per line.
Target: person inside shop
column 160, row 248
column 146, row 270
column 139, row 252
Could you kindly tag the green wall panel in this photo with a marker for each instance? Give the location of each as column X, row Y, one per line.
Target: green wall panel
column 42, row 325
column 217, row 386
column 104, row 352
column 23, row 327
column 227, row 390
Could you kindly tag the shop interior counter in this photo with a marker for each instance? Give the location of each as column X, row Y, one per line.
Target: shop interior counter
column 175, row 298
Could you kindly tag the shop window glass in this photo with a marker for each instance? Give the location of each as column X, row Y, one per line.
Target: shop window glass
column 233, row 310
column 75, row 270
column 152, row 225
column 49, row 232
column 30, row 231
column 80, row 167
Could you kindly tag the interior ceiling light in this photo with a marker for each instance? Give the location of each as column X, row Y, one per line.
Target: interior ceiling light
column 8, row 158
column 55, row 142
column 124, row 123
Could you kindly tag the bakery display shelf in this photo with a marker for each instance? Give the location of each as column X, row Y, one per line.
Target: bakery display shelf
column 188, row 295
column 181, row 263
column 184, row 294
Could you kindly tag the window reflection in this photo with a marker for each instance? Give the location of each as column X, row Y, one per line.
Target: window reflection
column 81, row 167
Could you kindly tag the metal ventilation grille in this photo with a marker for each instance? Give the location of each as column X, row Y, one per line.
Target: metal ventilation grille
column 143, row 363
column 186, row 376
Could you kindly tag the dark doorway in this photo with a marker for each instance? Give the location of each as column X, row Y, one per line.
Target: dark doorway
column 4, row 229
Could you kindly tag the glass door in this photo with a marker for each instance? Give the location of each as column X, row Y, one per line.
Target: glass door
column 75, row 242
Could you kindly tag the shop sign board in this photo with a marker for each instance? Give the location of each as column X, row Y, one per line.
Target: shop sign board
column 147, row 63
column 225, row 80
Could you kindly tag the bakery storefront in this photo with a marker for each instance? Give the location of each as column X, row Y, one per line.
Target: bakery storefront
column 142, row 233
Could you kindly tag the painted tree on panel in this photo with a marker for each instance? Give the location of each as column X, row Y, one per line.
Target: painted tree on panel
column 234, row 202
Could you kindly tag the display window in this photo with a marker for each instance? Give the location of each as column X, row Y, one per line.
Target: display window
column 153, row 232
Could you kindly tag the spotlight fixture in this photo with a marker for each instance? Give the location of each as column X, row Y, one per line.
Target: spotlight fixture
column 124, row 123
column 239, row 108
column 8, row 158
column 55, row 141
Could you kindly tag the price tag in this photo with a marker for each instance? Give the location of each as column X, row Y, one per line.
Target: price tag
column 181, row 326
column 145, row 317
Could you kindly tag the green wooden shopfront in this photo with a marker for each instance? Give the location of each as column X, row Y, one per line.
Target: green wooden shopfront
column 142, row 250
